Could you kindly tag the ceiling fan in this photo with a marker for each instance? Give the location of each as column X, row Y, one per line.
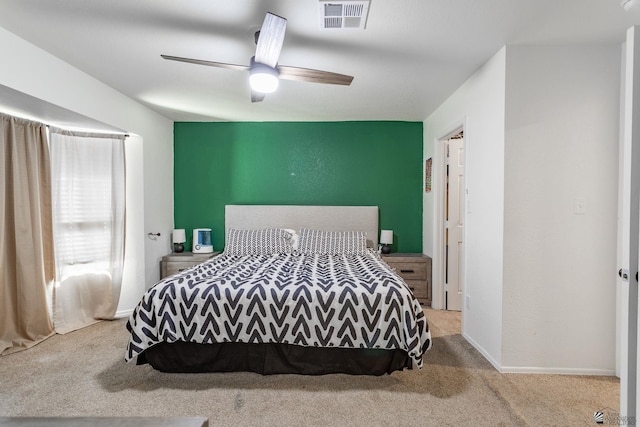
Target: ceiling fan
column 264, row 70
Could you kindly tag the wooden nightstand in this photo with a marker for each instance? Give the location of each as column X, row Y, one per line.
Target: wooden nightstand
column 176, row 262
column 415, row 269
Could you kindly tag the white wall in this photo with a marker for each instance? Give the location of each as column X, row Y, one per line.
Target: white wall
column 561, row 151
column 30, row 70
column 478, row 105
column 133, row 271
column 541, row 141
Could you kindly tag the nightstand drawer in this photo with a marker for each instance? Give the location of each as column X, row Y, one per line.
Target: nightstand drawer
column 173, row 267
column 411, row 270
column 415, row 270
column 176, row 262
column 419, row 288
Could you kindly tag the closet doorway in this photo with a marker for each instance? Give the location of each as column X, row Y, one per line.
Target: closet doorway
column 453, row 221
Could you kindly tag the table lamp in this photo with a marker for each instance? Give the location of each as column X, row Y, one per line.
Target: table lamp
column 386, row 238
column 179, row 237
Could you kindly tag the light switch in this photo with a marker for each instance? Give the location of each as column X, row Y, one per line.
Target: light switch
column 579, row 206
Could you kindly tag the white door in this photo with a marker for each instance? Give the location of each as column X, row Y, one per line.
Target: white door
column 454, row 215
column 628, row 229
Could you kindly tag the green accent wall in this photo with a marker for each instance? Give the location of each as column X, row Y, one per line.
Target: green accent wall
column 299, row 163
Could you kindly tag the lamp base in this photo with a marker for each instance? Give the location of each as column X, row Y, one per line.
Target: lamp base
column 178, row 247
column 386, row 249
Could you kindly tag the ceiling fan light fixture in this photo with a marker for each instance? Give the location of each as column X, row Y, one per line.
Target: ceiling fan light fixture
column 263, row 78
column 264, row 71
column 627, row 4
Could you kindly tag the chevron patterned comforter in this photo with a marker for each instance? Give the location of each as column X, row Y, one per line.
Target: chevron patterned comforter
column 351, row 301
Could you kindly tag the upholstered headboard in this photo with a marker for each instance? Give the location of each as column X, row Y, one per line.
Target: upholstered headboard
column 330, row 218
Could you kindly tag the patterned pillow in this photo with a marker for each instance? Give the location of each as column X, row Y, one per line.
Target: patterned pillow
column 258, row 242
column 332, row 242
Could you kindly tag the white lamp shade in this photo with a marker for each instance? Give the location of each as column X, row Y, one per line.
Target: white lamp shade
column 386, row 237
column 263, row 82
column 179, row 236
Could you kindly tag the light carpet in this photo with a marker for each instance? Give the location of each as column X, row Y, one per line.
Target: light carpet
column 84, row 374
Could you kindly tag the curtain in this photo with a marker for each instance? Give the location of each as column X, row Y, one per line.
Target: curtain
column 89, row 224
column 26, row 239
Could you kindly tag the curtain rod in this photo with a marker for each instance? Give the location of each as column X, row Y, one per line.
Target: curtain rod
column 36, row 120
column 92, row 132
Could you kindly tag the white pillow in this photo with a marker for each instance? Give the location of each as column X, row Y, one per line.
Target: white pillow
column 294, row 237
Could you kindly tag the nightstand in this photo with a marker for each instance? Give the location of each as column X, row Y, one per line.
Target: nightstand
column 415, row 269
column 177, row 262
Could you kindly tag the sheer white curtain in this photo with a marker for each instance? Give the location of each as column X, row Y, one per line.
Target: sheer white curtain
column 88, row 173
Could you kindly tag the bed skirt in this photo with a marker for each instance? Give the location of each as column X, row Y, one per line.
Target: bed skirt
column 272, row 358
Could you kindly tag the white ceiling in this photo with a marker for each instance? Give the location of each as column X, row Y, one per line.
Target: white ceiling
column 410, row 58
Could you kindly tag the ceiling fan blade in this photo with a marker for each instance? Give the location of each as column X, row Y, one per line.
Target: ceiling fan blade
column 315, row 76
column 270, row 39
column 208, row 63
column 257, row 96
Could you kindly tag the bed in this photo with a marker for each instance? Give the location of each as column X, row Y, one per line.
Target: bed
column 297, row 290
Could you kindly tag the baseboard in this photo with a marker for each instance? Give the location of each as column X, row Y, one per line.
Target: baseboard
column 557, row 371
column 538, row 370
column 123, row 313
column 482, row 351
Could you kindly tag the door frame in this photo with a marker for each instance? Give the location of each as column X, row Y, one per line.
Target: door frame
column 628, row 322
column 438, row 266
column 459, row 204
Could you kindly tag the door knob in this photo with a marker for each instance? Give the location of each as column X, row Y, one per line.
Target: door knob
column 624, row 273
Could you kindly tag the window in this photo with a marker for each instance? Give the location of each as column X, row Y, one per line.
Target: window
column 88, row 178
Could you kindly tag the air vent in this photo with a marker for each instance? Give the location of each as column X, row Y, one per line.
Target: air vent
column 343, row 14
